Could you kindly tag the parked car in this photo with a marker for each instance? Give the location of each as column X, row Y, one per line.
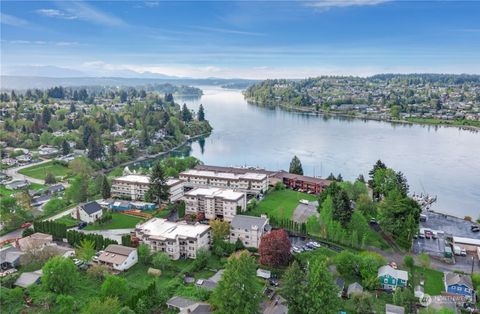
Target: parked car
column 297, row 249
column 421, row 236
column 428, row 234
column 26, row 225
column 475, row 228
column 274, row 282
column 316, row 244
column 82, row 225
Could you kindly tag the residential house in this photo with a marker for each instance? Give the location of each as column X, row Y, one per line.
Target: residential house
column 10, row 257
column 459, row 284
column 88, row 212
column 184, row 306
column 215, row 202
column 391, row 278
column 118, row 257
column 57, row 188
column 17, row 184
column 177, row 239
column 47, row 151
column 175, row 189
column 9, row 161
column 249, row 229
column 36, row 241
column 40, row 200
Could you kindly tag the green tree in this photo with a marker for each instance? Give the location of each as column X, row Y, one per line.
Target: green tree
column 59, row 275
column 395, row 111
column 161, row 261
column 424, row 260
column 77, row 192
column 65, row 304
column 50, row 178
column 320, row 295
column 114, row 287
column 102, row 306
column 65, row 147
column 238, row 291
column 201, row 113
column 85, row 250
column 293, row 288
column 144, row 254
column 220, row 230
column 158, row 190
column 186, row 114
column 105, row 187
column 364, row 303
column 342, row 210
column 296, row 166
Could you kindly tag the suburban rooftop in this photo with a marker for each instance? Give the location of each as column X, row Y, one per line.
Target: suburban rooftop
column 159, row 228
column 215, row 192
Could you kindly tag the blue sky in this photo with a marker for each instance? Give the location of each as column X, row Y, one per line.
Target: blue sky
column 248, row 39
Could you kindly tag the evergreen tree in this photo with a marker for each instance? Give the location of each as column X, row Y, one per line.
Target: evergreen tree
column 95, row 148
column 294, row 287
column 320, row 295
column 342, row 210
column 201, row 113
column 186, row 114
column 238, row 291
column 105, row 187
column 65, row 147
column 158, row 190
column 296, row 166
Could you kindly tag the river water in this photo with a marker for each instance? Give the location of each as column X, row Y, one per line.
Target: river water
column 442, row 161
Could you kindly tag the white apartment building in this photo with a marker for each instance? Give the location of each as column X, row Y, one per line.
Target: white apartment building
column 215, row 202
column 177, row 239
column 252, row 183
column 249, row 229
column 135, row 186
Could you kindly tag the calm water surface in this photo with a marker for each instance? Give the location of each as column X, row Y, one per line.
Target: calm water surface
column 442, row 161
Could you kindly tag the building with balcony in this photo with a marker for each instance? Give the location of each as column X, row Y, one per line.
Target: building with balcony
column 134, row 187
column 249, row 229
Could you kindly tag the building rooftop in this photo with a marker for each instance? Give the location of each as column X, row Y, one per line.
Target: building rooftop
column 396, row 273
column 173, row 181
column 115, row 254
column 314, row 180
column 180, row 302
column 394, row 309
column 248, row 222
column 91, row 207
column 158, row 228
column 458, row 279
column 134, row 178
column 224, row 175
column 29, row 278
column 215, row 192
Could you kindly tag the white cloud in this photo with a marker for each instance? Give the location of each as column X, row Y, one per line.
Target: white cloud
column 226, row 31
column 327, row 4
column 66, row 43
column 57, row 14
column 12, row 20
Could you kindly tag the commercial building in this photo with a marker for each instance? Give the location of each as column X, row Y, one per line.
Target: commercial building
column 177, row 239
column 215, row 202
column 248, row 182
column 249, row 229
column 118, row 257
column 299, row 182
column 135, row 186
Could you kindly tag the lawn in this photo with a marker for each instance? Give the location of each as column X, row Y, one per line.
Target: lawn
column 433, row 280
column 119, row 221
column 4, row 192
column 280, row 204
column 40, row 171
column 68, row 221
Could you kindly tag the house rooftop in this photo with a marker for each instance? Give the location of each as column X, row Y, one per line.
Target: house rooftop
column 180, row 302
column 224, row 175
column 28, row 278
column 394, row 309
column 91, row 208
column 134, row 178
column 248, row 222
column 458, row 279
column 395, row 273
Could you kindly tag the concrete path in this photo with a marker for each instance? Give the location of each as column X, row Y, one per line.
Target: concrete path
column 13, row 172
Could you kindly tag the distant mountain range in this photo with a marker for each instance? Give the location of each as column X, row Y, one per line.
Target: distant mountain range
column 25, row 77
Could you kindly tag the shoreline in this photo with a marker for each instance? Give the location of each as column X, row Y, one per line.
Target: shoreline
column 340, row 114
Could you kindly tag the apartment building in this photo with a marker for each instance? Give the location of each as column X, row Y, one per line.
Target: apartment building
column 135, row 186
column 215, row 202
column 249, row 229
column 249, row 182
column 177, row 239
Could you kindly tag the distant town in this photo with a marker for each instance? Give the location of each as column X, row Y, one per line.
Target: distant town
column 413, row 98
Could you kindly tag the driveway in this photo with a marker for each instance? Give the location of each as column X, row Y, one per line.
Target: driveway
column 13, row 172
column 303, row 211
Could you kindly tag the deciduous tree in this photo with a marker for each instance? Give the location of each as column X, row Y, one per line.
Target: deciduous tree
column 59, row 275
column 274, row 248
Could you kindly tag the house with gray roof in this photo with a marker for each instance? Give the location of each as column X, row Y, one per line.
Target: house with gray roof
column 10, row 257
column 391, row 278
column 249, row 229
column 184, row 306
column 354, row 288
column 459, row 284
column 88, row 212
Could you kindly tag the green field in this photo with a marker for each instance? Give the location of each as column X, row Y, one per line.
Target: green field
column 280, row 204
column 119, row 221
column 40, row 171
column 433, row 280
column 68, row 221
column 4, row 192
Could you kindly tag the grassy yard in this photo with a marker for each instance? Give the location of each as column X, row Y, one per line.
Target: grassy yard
column 119, row 221
column 68, row 221
column 433, row 280
column 40, row 171
column 4, row 192
column 280, row 204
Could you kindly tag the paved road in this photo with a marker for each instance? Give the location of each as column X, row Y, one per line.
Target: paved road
column 11, row 235
column 13, row 172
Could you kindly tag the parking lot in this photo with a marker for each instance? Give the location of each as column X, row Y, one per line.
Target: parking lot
column 449, row 225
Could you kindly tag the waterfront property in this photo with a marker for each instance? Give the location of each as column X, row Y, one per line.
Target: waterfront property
column 249, row 182
column 459, row 284
column 88, row 212
column 299, row 182
column 178, row 240
column 134, row 187
column 391, row 278
column 249, row 229
column 118, row 257
column 215, row 202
